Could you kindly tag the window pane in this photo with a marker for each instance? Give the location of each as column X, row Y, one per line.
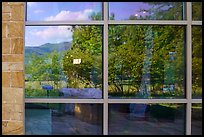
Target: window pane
column 197, row 61
column 63, row 119
column 146, row 119
column 197, row 10
column 146, row 10
column 63, row 61
column 146, row 61
column 64, row 11
column 196, row 119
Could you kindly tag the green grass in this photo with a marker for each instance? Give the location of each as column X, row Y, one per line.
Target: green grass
column 41, row 93
column 131, row 91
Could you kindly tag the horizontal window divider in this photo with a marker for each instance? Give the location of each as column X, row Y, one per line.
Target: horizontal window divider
column 196, row 22
column 139, row 22
column 46, row 100
column 149, row 22
column 148, row 101
column 58, row 23
column 196, row 101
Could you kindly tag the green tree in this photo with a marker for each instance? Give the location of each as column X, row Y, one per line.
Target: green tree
column 197, row 10
column 45, row 68
column 166, row 10
column 197, row 60
column 126, row 49
column 87, row 46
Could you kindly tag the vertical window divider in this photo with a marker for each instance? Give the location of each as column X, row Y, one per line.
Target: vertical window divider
column 188, row 67
column 105, row 68
column 24, row 27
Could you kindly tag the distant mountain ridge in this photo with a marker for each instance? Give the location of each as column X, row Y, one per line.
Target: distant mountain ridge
column 46, row 48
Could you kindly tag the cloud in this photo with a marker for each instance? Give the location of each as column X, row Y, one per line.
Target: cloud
column 31, row 4
column 52, row 34
column 69, row 15
column 38, row 11
column 59, row 32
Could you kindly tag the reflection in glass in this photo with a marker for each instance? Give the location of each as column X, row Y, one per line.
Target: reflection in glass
column 146, row 61
column 146, row 119
column 63, row 119
column 196, row 119
column 64, row 11
column 197, row 10
column 63, row 61
column 197, row 62
column 146, row 11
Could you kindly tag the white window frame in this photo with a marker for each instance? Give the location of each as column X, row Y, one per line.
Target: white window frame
column 188, row 101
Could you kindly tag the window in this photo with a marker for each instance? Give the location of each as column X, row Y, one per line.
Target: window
column 103, row 68
column 146, row 61
column 61, row 57
column 146, row 10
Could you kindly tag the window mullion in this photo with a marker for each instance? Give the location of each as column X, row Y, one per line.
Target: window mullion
column 105, row 68
column 188, row 67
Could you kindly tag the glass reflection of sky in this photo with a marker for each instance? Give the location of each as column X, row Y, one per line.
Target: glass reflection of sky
column 42, row 11
column 70, row 11
column 123, row 10
column 39, row 35
column 61, row 11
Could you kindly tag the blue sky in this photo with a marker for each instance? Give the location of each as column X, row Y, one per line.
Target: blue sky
column 123, row 10
column 61, row 11
column 43, row 10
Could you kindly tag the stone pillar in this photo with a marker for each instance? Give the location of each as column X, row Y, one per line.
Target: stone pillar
column 12, row 68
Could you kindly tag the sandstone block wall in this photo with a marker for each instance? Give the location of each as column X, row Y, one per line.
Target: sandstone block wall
column 12, row 68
